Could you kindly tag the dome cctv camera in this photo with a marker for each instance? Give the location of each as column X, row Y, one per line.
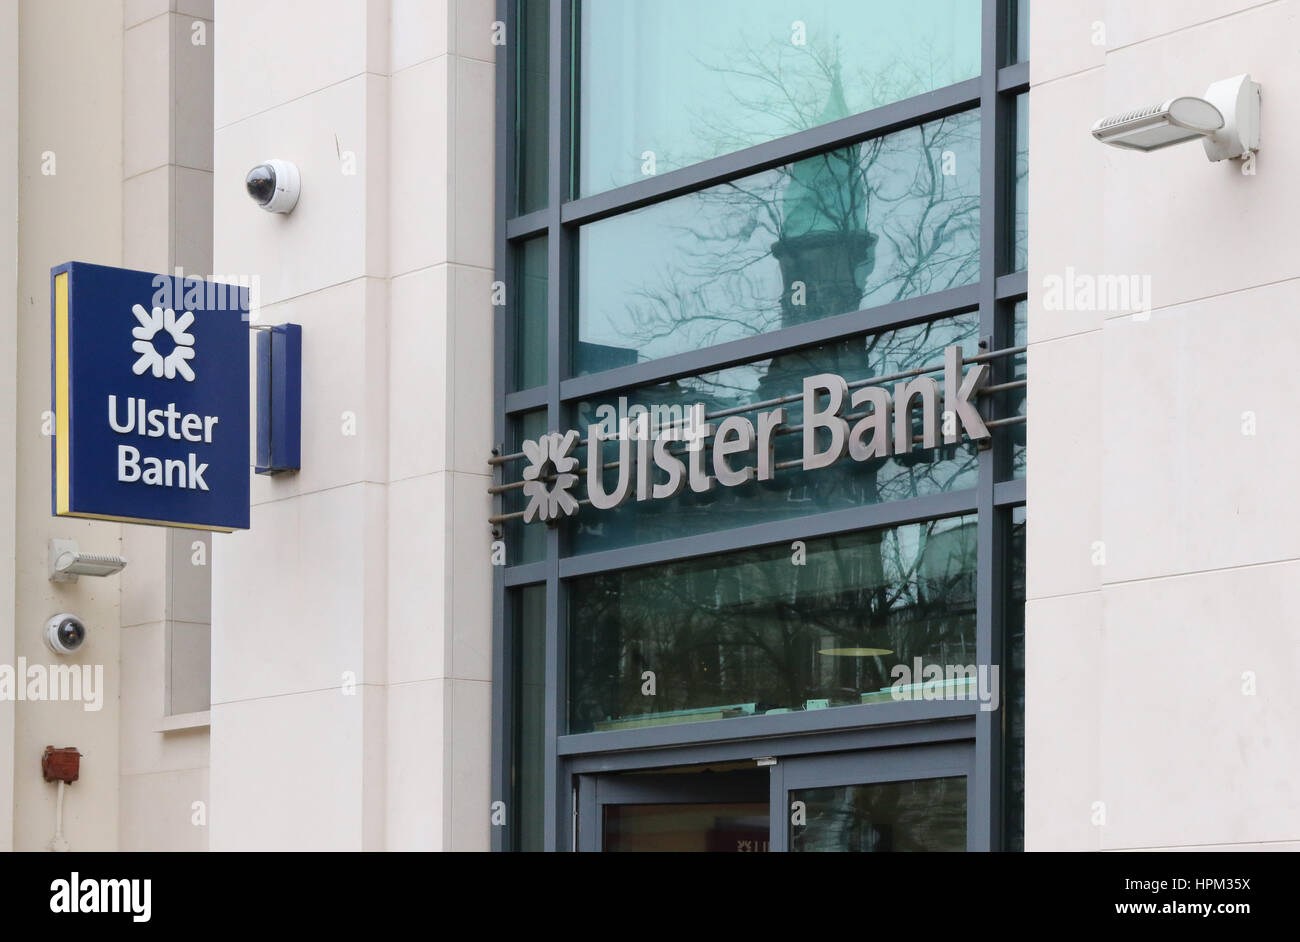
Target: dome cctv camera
column 65, row 633
column 274, row 185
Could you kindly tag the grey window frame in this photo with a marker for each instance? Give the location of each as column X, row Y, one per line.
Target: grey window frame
column 994, row 92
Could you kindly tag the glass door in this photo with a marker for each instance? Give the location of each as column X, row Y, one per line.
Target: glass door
column 899, row 799
column 710, row 810
column 905, row 798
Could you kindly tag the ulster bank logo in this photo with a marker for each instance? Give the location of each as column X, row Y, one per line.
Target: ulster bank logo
column 549, row 476
column 147, row 343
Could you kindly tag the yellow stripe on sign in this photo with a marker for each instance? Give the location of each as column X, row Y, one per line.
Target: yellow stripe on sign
column 149, row 522
column 62, row 446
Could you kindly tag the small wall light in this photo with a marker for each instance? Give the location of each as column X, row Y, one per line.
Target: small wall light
column 67, row 563
column 1226, row 121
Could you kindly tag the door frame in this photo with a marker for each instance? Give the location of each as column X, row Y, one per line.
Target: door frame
column 595, row 791
column 580, row 805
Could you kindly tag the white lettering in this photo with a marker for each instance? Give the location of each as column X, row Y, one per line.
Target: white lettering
column 160, row 423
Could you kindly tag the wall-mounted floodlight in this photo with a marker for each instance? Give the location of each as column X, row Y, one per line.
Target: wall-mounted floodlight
column 1226, row 121
column 66, row 563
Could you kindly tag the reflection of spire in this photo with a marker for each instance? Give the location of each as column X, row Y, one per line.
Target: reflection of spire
column 824, row 193
column 836, row 106
column 825, row 250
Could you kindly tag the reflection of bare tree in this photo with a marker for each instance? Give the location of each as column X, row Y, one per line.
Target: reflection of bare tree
column 740, row 250
column 923, row 815
column 867, row 224
column 748, row 245
column 782, row 88
column 754, row 629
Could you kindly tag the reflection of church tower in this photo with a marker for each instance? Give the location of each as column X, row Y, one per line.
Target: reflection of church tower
column 824, row 249
column 824, row 243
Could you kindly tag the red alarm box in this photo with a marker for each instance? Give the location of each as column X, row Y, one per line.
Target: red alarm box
column 61, row 765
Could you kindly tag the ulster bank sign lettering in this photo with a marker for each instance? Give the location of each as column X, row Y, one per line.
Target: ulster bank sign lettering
column 151, row 403
column 863, row 422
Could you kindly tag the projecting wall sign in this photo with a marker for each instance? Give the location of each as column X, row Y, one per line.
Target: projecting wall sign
column 880, row 424
column 151, row 398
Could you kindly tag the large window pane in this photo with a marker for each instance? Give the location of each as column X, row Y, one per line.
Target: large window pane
column 530, row 315
column 1014, row 696
column 771, row 630
column 791, row 492
column 1019, row 33
column 889, row 218
column 667, row 84
column 528, row 719
column 532, row 126
column 1020, row 243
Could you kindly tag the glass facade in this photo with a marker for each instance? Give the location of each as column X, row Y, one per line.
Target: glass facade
column 706, row 204
column 1018, row 33
column 528, row 666
column 918, row 815
column 668, row 84
column 756, row 633
column 530, row 322
column 532, row 102
column 887, row 219
column 796, row 493
column 1014, row 696
column 1020, row 238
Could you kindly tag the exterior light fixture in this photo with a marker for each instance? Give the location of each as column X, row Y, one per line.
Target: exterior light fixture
column 1226, row 121
column 66, row 563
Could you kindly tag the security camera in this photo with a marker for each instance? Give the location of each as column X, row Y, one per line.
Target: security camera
column 65, row 633
column 1226, row 121
column 274, row 185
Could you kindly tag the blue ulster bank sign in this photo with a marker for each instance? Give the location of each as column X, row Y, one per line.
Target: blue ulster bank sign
column 151, row 402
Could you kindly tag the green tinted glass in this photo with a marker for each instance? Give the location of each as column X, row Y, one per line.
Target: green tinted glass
column 1014, row 697
column 1019, row 32
column 528, row 719
column 1020, row 244
column 532, row 128
column 926, row 814
column 773, row 630
column 667, row 84
column 890, row 218
column 530, row 315
column 791, row 492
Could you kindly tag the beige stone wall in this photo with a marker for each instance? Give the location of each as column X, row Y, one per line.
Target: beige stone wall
column 8, row 393
column 165, row 612
column 1140, row 662
column 69, row 57
column 111, row 165
column 351, row 624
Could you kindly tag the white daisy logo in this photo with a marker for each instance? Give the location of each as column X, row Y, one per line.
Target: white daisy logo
column 174, row 362
column 549, row 457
